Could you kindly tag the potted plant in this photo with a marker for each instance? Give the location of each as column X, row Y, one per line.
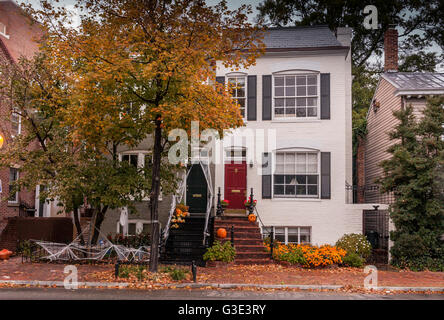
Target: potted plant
column 249, row 203
column 220, row 254
column 179, row 215
column 224, row 203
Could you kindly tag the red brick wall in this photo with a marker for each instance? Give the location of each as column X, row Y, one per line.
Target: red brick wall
column 22, row 42
column 391, row 50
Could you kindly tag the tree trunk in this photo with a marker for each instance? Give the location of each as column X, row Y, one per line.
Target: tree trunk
column 75, row 213
column 100, row 216
column 154, row 196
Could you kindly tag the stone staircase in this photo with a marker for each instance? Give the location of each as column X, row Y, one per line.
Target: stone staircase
column 247, row 239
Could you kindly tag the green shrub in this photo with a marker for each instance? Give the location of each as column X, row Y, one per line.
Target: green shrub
column 220, row 252
column 418, row 252
column 353, row 260
column 175, row 273
column 178, row 274
column 124, row 271
column 293, row 256
column 355, row 243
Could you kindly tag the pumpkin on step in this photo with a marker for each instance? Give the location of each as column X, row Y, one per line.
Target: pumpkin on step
column 221, row 233
column 251, row 218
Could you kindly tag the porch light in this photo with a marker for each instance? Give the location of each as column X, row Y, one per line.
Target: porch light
column 251, row 163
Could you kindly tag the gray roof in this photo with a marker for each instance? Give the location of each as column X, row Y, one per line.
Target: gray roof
column 300, row 38
column 406, row 82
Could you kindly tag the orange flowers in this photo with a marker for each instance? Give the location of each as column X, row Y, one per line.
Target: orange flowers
column 309, row 256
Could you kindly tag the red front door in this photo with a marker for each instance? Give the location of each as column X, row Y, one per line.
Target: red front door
column 236, row 184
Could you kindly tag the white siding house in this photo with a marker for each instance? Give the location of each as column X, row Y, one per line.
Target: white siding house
column 297, row 106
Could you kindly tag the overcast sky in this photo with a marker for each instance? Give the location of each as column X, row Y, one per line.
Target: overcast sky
column 232, row 4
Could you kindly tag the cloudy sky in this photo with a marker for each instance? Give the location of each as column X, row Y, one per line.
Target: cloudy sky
column 232, row 4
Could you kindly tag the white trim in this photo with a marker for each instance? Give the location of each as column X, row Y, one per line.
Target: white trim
column 4, row 32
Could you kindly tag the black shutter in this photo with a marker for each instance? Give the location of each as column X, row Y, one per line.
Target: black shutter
column 266, row 97
column 325, row 175
column 325, row 95
column 251, row 101
column 220, row 80
column 266, row 175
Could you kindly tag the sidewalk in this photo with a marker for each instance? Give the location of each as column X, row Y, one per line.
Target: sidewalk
column 273, row 277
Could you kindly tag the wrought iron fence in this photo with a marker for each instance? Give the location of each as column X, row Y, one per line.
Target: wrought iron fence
column 369, row 193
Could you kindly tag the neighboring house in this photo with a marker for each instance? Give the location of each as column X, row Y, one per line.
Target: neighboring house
column 17, row 35
column 138, row 221
column 395, row 91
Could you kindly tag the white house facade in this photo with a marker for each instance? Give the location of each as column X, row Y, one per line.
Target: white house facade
column 295, row 149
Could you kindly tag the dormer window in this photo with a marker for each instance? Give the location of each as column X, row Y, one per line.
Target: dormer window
column 3, row 31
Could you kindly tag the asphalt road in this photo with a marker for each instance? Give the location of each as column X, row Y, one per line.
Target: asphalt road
column 175, row 294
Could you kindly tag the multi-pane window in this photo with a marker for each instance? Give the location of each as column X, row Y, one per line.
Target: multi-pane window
column 297, row 235
column 237, row 89
column 131, row 159
column 16, row 123
column 13, row 176
column 296, row 174
column 296, row 96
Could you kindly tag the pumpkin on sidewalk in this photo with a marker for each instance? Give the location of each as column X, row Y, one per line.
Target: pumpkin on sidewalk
column 5, row 254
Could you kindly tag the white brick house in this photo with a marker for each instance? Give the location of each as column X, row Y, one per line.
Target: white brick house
column 301, row 90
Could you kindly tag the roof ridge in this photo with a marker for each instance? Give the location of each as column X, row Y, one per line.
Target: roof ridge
column 297, row 27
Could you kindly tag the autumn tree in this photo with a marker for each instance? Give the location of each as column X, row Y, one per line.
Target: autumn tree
column 156, row 60
column 68, row 169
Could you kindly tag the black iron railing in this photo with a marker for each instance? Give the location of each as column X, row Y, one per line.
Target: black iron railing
column 369, row 193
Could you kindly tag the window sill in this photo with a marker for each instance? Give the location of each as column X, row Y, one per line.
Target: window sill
column 296, row 199
column 296, row 120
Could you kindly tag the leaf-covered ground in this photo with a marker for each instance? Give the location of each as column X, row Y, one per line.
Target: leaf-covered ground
column 351, row 278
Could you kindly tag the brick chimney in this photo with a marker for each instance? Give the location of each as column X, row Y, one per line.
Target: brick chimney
column 391, row 49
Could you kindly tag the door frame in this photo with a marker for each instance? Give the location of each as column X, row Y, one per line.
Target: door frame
column 229, row 160
column 185, row 193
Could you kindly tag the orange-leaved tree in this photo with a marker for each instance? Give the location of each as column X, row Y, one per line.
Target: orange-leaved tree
column 153, row 63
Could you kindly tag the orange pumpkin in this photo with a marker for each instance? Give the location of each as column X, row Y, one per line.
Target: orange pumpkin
column 251, row 218
column 221, row 233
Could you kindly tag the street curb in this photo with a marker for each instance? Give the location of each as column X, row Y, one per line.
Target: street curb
column 433, row 289
column 194, row 285
column 250, row 285
column 62, row 284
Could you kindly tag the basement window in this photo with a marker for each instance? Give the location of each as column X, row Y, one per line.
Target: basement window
column 286, row 235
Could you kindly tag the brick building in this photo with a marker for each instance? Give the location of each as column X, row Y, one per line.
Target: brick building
column 18, row 35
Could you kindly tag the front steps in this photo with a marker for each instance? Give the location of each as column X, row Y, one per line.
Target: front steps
column 185, row 244
column 247, row 239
